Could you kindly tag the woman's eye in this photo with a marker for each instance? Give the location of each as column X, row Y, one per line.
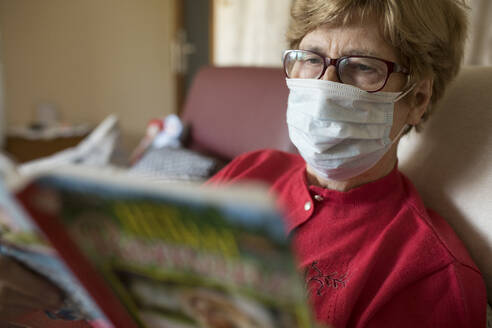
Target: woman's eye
column 364, row 68
column 313, row 61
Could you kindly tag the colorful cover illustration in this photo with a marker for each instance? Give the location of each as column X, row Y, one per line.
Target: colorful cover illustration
column 170, row 257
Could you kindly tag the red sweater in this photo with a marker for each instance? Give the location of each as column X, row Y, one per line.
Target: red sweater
column 373, row 256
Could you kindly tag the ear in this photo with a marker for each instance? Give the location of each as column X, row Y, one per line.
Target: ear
column 420, row 100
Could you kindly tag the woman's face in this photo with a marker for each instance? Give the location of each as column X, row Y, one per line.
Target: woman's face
column 359, row 38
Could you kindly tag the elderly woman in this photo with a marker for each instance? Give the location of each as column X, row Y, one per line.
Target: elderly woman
column 362, row 73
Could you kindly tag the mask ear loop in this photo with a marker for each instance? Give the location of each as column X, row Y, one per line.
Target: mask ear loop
column 403, row 94
column 407, row 127
column 399, row 135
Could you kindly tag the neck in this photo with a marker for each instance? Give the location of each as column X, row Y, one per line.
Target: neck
column 381, row 169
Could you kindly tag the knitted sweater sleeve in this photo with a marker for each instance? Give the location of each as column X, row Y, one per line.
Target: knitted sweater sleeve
column 451, row 297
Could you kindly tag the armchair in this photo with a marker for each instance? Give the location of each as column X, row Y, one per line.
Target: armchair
column 450, row 163
column 232, row 110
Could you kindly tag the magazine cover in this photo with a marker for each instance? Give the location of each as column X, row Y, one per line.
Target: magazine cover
column 173, row 256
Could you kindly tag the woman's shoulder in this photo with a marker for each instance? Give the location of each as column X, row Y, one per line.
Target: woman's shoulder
column 438, row 227
column 266, row 165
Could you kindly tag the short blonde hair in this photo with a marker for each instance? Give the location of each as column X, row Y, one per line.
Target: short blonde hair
column 428, row 34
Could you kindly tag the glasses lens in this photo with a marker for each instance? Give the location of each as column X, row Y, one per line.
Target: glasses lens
column 301, row 64
column 368, row 74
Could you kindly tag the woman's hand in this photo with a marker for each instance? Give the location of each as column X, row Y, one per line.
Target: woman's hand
column 23, row 291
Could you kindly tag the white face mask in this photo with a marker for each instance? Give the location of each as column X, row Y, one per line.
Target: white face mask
column 340, row 130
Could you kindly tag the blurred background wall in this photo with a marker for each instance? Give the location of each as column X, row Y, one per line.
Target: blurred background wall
column 88, row 58
column 479, row 46
column 2, row 97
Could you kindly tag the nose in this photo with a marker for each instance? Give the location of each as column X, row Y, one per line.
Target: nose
column 330, row 74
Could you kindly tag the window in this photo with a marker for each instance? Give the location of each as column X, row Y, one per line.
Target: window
column 250, row 32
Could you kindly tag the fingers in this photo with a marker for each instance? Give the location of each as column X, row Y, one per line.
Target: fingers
column 22, row 291
column 31, row 285
column 11, row 296
column 10, row 311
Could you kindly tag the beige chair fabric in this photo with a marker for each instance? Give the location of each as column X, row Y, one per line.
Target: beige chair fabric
column 450, row 163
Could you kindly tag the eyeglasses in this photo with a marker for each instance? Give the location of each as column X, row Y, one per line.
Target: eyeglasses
column 365, row 72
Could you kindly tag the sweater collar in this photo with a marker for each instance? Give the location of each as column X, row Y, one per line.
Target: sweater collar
column 366, row 193
column 299, row 196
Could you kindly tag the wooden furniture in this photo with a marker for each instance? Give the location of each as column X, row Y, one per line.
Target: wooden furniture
column 23, row 149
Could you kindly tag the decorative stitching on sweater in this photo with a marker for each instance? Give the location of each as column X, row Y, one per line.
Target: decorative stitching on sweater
column 313, row 275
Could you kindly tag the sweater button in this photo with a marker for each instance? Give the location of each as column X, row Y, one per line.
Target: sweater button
column 318, row 198
column 307, row 206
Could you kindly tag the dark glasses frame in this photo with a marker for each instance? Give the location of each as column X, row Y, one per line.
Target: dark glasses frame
column 327, row 62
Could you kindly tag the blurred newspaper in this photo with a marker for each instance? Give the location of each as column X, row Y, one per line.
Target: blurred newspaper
column 95, row 150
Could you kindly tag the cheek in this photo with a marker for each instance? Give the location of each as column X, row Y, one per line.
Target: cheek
column 395, row 83
column 400, row 117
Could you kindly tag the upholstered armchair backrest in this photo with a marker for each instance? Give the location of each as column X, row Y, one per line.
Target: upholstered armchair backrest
column 232, row 110
column 450, row 162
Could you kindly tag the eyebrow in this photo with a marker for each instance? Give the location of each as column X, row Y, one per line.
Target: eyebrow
column 315, row 49
column 360, row 52
column 356, row 52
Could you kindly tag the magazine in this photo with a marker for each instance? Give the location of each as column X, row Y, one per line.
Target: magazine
column 147, row 255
